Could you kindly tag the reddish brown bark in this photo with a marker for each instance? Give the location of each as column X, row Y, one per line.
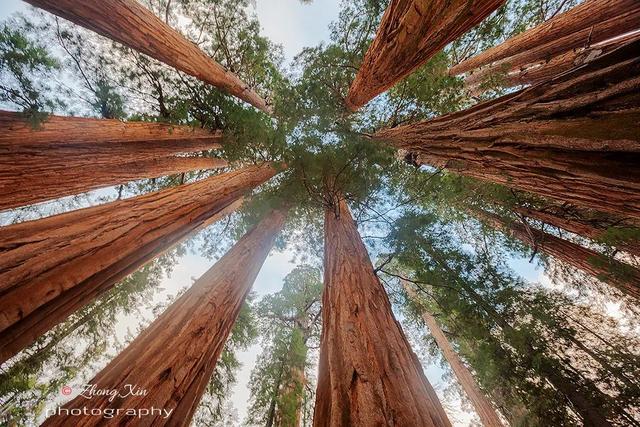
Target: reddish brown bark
column 410, row 33
column 51, row 181
column 174, row 358
column 61, row 130
column 617, row 274
column 564, row 31
column 130, row 23
column 51, row 267
column 548, row 68
column 368, row 374
column 591, row 228
column 483, row 406
column 574, row 138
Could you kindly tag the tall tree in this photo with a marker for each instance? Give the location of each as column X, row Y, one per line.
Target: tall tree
column 483, row 406
column 563, row 32
column 368, row 373
column 410, row 33
column 561, row 152
column 290, row 324
column 622, row 276
column 53, row 266
column 133, row 25
column 198, row 323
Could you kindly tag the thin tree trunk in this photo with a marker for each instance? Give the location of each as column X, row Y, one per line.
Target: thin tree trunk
column 174, row 358
column 52, row 181
column 615, row 273
column 51, row 267
column 574, row 24
column 590, row 228
column 574, row 138
column 368, row 374
column 547, row 68
column 483, row 406
column 410, row 33
column 58, row 130
column 130, row 23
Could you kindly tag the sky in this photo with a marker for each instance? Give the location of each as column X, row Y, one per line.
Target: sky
column 294, row 25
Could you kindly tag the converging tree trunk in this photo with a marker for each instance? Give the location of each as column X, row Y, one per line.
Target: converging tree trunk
column 130, row 23
column 67, row 130
column 410, row 33
column 615, row 273
column 368, row 374
column 572, row 29
column 573, row 138
column 174, row 358
column 53, row 266
column 51, row 181
column 483, row 406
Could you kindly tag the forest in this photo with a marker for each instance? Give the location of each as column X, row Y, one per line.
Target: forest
column 430, row 217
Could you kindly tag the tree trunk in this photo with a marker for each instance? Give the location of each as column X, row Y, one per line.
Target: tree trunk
column 51, row 267
column 617, row 274
column 574, row 138
column 62, row 130
column 574, row 25
column 590, row 228
column 410, row 33
column 483, row 406
column 174, row 358
column 51, row 181
column 368, row 374
column 130, row 23
column 546, row 68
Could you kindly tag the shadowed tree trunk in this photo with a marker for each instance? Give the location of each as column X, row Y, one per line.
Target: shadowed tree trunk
column 57, row 130
column 51, row 267
column 483, row 406
column 410, row 33
column 368, row 374
column 174, row 358
column 578, row 27
column 51, row 181
column 615, row 273
column 549, row 67
column 130, row 23
column 591, row 228
column 574, row 138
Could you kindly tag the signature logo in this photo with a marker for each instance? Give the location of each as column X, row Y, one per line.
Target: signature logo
column 91, row 390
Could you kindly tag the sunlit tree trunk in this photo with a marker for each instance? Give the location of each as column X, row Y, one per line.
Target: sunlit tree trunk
column 50, row 181
column 130, row 23
column 615, row 273
column 51, row 267
column 410, row 33
column 482, row 405
column 66, row 130
column 174, row 358
column 590, row 228
column 574, row 138
column 590, row 22
column 368, row 374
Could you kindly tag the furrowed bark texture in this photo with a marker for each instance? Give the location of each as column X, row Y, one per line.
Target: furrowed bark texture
column 58, row 130
column 574, row 25
column 590, row 228
column 574, row 138
column 548, row 68
column 51, row 181
column 174, row 358
column 410, row 33
column 626, row 278
column 368, row 374
column 130, row 23
column 483, row 406
column 51, row 267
